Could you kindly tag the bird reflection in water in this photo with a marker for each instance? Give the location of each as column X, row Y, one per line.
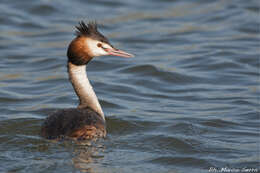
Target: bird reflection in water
column 87, row 155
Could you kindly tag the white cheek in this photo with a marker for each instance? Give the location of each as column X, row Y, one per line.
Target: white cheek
column 94, row 49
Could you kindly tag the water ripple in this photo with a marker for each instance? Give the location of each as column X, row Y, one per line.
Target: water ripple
column 188, row 101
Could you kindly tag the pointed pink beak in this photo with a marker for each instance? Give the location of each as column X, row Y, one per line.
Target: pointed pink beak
column 117, row 52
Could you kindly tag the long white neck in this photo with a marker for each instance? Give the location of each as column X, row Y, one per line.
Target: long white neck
column 82, row 87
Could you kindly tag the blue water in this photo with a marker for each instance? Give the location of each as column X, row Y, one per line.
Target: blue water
column 187, row 102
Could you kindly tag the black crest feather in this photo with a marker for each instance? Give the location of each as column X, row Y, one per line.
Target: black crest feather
column 90, row 30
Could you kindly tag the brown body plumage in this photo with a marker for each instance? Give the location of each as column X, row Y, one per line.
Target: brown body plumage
column 76, row 123
column 88, row 120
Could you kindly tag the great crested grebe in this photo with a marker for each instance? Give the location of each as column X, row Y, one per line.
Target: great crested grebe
column 87, row 121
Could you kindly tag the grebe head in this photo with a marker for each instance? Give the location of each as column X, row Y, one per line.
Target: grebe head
column 90, row 43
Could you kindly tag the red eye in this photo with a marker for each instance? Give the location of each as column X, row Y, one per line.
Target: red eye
column 99, row 45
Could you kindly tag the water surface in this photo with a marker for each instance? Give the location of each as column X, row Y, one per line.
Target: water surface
column 188, row 101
